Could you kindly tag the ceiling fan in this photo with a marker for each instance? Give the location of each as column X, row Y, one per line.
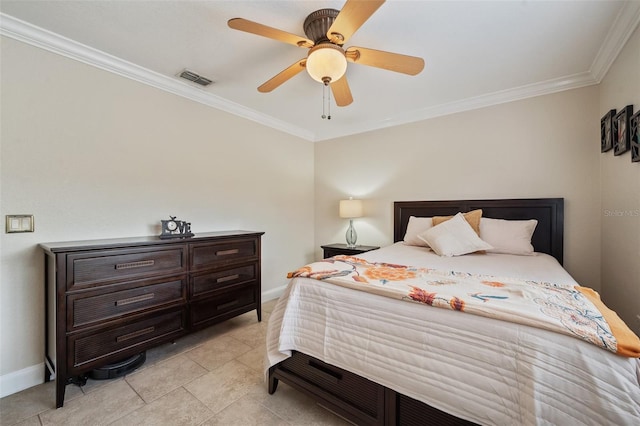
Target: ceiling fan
column 327, row 31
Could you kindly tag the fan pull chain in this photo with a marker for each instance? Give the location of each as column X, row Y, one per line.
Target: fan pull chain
column 326, row 102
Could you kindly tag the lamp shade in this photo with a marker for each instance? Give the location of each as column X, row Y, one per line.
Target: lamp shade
column 351, row 208
column 326, row 63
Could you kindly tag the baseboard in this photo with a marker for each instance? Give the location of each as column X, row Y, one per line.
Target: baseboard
column 273, row 294
column 22, row 379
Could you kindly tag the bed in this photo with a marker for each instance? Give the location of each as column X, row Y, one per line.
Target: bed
column 378, row 360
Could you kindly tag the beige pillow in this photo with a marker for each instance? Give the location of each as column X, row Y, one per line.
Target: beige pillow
column 508, row 236
column 472, row 218
column 416, row 226
column 454, row 237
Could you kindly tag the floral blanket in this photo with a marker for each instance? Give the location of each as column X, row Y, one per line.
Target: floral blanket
column 572, row 310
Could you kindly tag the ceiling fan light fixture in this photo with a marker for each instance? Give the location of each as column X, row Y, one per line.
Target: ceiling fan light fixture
column 326, row 63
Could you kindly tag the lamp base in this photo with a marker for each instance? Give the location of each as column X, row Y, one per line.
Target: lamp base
column 351, row 235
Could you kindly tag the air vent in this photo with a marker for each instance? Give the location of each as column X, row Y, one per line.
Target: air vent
column 196, row 78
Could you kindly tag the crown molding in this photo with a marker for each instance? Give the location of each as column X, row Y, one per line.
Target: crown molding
column 504, row 96
column 625, row 23
column 44, row 39
column 623, row 27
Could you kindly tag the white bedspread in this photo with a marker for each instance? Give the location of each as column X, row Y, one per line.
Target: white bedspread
column 476, row 368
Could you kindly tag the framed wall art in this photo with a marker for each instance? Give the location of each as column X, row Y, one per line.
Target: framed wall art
column 634, row 127
column 606, row 131
column 622, row 133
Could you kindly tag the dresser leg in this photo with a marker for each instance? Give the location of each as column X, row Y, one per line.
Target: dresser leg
column 60, row 387
column 259, row 311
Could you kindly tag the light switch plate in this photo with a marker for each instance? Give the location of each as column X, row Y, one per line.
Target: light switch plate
column 19, row 223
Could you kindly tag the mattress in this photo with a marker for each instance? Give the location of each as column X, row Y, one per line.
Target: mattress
column 480, row 369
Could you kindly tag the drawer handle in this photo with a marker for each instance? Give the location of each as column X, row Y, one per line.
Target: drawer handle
column 227, row 252
column 325, row 372
column 132, row 265
column 227, row 305
column 135, row 299
column 135, row 334
column 228, row 278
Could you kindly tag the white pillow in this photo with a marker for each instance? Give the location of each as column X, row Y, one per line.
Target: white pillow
column 508, row 236
column 454, row 237
column 416, row 226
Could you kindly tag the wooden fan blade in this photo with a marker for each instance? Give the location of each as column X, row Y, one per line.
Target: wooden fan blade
column 283, row 76
column 342, row 92
column 269, row 32
column 411, row 65
column 353, row 14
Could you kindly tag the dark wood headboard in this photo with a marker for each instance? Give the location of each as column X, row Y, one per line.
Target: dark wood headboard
column 549, row 212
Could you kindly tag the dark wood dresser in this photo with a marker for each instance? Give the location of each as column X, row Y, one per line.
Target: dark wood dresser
column 107, row 300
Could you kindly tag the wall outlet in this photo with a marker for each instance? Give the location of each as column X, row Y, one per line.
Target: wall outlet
column 19, row 223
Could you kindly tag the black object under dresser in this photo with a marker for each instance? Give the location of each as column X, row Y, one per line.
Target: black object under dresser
column 107, row 300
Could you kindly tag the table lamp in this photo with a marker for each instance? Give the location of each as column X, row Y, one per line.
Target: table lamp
column 351, row 209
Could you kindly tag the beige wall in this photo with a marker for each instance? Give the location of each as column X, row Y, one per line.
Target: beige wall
column 620, row 188
column 94, row 155
column 540, row 147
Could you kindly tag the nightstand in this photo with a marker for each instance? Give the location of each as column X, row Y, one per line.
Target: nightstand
column 331, row 250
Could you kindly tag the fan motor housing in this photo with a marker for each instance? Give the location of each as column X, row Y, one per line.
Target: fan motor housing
column 317, row 24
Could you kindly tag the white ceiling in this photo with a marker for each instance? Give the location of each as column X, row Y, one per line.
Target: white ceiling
column 477, row 53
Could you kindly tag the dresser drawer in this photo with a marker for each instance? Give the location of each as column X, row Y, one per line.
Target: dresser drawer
column 92, row 307
column 202, row 284
column 362, row 394
column 208, row 309
column 218, row 254
column 96, row 346
column 95, row 268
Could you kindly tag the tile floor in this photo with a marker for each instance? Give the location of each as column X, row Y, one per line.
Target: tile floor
column 212, row 377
